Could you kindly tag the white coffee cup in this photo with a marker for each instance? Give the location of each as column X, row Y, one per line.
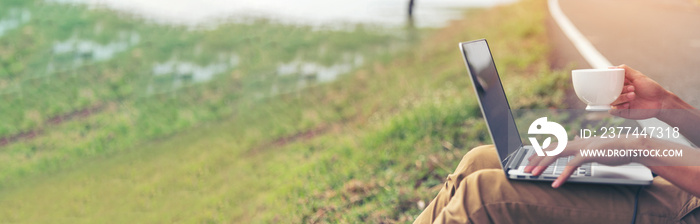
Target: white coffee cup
column 598, row 87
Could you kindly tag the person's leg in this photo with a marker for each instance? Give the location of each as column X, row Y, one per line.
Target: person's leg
column 482, row 157
column 486, row 196
column 664, row 199
column 479, row 191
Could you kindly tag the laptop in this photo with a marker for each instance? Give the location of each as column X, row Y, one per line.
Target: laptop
column 504, row 132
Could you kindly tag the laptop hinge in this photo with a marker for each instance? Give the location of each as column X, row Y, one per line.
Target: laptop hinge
column 516, row 158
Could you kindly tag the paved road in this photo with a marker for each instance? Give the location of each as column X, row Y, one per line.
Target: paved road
column 661, row 38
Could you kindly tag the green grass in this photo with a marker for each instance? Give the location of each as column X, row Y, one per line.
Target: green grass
column 45, row 77
column 366, row 148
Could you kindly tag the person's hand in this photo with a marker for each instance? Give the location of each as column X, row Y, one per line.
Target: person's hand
column 641, row 97
column 538, row 164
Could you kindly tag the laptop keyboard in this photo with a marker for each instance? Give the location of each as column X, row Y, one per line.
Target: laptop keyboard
column 558, row 166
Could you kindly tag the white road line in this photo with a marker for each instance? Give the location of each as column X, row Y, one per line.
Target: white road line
column 594, row 58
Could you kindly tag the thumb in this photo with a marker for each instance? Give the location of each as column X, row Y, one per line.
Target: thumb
column 630, row 73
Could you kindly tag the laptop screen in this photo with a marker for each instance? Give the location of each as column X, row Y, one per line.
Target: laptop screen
column 492, row 98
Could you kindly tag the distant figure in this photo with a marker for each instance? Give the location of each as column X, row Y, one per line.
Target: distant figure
column 410, row 8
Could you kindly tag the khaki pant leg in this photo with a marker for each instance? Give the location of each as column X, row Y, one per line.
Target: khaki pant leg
column 663, row 199
column 478, row 192
column 482, row 157
column 486, row 196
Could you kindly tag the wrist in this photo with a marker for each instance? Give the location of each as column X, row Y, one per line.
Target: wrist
column 670, row 103
column 643, row 143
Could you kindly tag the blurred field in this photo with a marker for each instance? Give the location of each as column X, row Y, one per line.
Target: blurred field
column 76, row 83
column 368, row 147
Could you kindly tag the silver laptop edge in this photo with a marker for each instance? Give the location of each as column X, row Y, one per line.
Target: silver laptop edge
column 513, row 164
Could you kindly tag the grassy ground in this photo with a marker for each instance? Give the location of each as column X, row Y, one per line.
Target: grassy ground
column 77, row 83
column 367, row 148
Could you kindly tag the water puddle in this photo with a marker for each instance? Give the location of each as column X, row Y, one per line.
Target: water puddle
column 75, row 52
column 13, row 19
column 299, row 74
column 174, row 74
column 318, row 72
column 427, row 13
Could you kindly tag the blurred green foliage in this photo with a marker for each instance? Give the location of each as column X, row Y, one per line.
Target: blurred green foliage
column 96, row 81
